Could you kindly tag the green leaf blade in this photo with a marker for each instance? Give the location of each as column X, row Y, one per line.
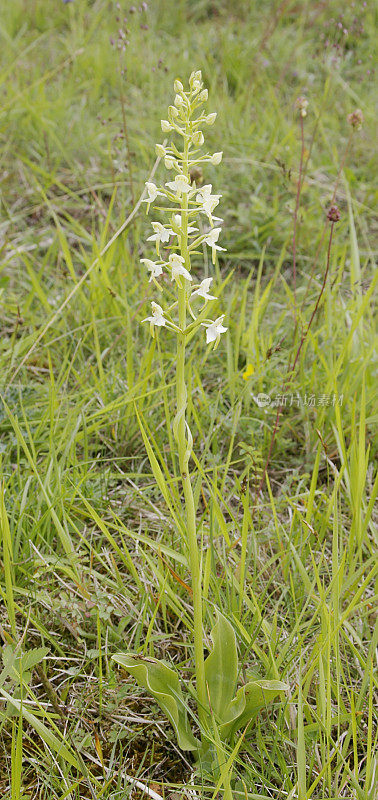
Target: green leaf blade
column 248, row 701
column 221, row 666
column 163, row 684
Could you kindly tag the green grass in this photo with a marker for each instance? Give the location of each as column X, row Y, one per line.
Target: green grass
column 90, row 555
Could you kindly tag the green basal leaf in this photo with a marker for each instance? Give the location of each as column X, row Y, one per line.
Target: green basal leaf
column 221, row 666
column 248, row 701
column 163, row 684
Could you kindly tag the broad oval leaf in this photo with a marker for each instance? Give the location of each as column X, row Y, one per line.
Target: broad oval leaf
column 163, row 684
column 221, row 666
column 248, row 701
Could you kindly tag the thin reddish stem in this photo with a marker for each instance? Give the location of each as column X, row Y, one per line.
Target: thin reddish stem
column 335, row 188
column 291, row 369
column 295, row 231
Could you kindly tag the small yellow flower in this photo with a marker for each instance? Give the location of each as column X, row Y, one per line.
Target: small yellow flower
column 249, row 371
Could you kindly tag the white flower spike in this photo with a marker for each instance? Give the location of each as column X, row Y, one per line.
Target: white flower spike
column 181, row 234
column 203, row 290
column 176, row 264
column 153, row 267
column 214, row 330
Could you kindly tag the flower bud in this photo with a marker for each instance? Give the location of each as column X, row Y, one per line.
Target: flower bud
column 169, row 162
column 179, row 101
column 210, row 119
column 178, row 87
column 160, row 150
column 197, row 138
column 195, row 77
column 172, row 112
column 166, row 126
column 216, row 159
column 203, row 96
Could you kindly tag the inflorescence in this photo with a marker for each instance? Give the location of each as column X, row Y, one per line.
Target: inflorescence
column 189, row 205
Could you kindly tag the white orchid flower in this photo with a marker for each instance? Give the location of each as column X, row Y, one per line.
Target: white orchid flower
column 207, row 200
column 208, row 206
column 180, row 185
column 211, row 239
column 203, row 290
column 216, row 158
column 161, row 234
column 204, row 191
column 153, row 193
column 214, row 330
column 204, row 195
column 157, row 320
column 153, row 267
column 176, row 264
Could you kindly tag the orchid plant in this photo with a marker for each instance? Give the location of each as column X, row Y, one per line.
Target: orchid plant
column 192, row 224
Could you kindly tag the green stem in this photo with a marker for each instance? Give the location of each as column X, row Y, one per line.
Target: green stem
column 184, row 455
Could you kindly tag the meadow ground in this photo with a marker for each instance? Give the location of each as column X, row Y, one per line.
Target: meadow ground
column 90, row 558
